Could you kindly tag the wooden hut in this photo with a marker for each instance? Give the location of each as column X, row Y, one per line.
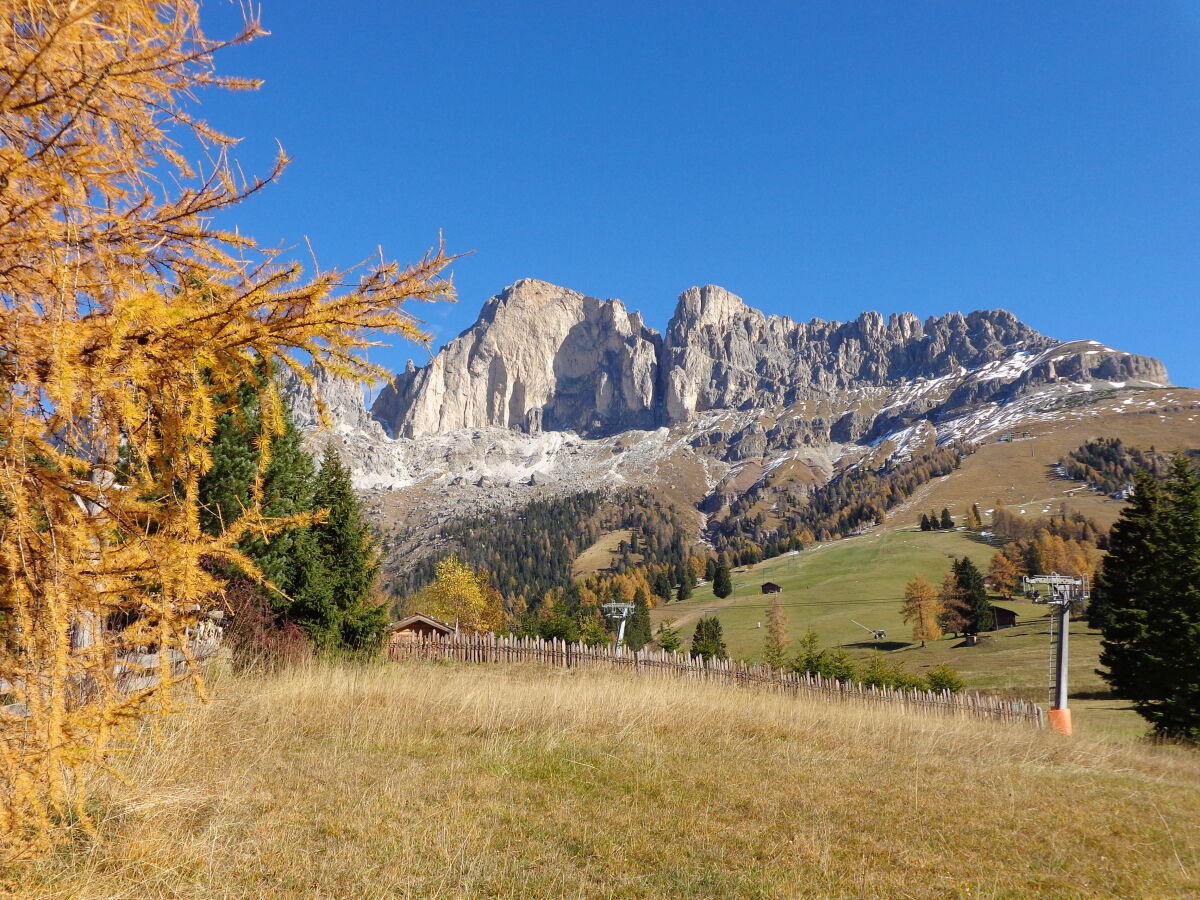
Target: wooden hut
column 771, row 587
column 1003, row 617
column 416, row 628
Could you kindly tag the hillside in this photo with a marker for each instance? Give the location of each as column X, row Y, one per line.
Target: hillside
column 830, row 587
column 425, row 781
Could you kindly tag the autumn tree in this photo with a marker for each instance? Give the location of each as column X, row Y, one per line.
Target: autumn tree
column 955, row 615
column 460, row 596
column 776, row 643
column 126, row 316
column 1004, row 574
column 922, row 609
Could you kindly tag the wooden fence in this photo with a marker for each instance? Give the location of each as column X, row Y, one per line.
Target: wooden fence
column 491, row 648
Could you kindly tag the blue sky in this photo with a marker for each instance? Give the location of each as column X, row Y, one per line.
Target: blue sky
column 819, row 159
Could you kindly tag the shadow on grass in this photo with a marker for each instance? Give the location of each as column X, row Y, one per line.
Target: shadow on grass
column 882, row 646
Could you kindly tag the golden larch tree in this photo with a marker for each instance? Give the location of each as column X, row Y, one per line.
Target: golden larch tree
column 124, row 313
column 923, row 609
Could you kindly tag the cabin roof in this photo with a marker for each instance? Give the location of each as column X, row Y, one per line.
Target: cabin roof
column 420, row 619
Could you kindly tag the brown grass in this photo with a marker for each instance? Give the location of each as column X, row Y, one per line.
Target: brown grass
column 601, row 555
column 437, row 781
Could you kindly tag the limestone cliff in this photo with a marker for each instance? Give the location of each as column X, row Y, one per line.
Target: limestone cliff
column 539, row 357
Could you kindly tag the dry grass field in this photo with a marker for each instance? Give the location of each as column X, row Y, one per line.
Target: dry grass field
column 1021, row 475
column 428, row 781
column 601, row 555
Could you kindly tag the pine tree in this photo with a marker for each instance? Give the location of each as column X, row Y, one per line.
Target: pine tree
column 922, row 608
column 947, row 523
column 708, row 641
column 1149, row 593
column 685, row 587
column 925, row 526
column 722, row 584
column 668, row 637
column 637, row 630
column 776, row 643
column 710, row 569
column 347, row 548
column 974, row 596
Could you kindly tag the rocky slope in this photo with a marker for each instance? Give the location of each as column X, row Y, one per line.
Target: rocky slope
column 552, row 390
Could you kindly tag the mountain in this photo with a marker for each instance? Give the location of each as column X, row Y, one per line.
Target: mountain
column 552, row 391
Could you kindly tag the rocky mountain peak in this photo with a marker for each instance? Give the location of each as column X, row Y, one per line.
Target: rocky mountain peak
column 543, row 357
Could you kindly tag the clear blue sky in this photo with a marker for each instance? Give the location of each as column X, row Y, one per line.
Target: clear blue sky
column 819, row 159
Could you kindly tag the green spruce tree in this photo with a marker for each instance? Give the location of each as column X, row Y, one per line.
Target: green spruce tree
column 348, row 550
column 1150, row 594
column 974, row 596
column 947, row 523
column 722, row 584
column 637, row 630
column 708, row 641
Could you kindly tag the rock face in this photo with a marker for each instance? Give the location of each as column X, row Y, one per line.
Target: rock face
column 540, row 357
column 544, row 358
column 721, row 354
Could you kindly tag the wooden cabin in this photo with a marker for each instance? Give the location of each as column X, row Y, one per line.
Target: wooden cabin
column 416, row 628
column 1003, row 618
column 771, row 587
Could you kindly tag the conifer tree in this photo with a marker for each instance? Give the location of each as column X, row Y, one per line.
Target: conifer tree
column 947, row 523
column 708, row 641
column 925, row 526
column 710, row 569
column 129, row 313
column 685, row 588
column 722, row 583
column 955, row 615
column 1149, row 593
column 974, row 521
column 668, row 637
column 1004, row 574
column 637, row 630
column 923, row 609
column 974, row 596
column 776, row 643
column 347, row 548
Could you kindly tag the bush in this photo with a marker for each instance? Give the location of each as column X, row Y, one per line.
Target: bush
column 943, row 678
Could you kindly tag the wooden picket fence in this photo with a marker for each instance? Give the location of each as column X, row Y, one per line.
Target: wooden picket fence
column 491, row 648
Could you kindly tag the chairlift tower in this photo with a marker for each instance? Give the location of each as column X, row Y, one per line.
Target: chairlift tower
column 619, row 613
column 1066, row 592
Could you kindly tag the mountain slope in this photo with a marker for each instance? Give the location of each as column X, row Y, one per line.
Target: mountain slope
column 552, row 391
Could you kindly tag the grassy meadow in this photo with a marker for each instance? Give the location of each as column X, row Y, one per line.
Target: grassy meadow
column 430, row 781
column 862, row 579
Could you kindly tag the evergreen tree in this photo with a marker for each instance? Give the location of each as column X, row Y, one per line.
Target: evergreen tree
column 685, row 588
column 925, row 526
column 668, row 637
column 708, row 640
column 722, row 584
column 710, row 569
column 946, row 523
column 974, row 596
column 347, row 547
column 775, row 645
column 637, row 630
column 1149, row 602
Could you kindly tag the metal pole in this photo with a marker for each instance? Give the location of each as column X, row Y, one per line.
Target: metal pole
column 621, row 632
column 1064, row 631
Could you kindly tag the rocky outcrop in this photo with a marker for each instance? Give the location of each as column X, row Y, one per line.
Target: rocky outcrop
column 543, row 358
column 719, row 353
column 540, row 357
